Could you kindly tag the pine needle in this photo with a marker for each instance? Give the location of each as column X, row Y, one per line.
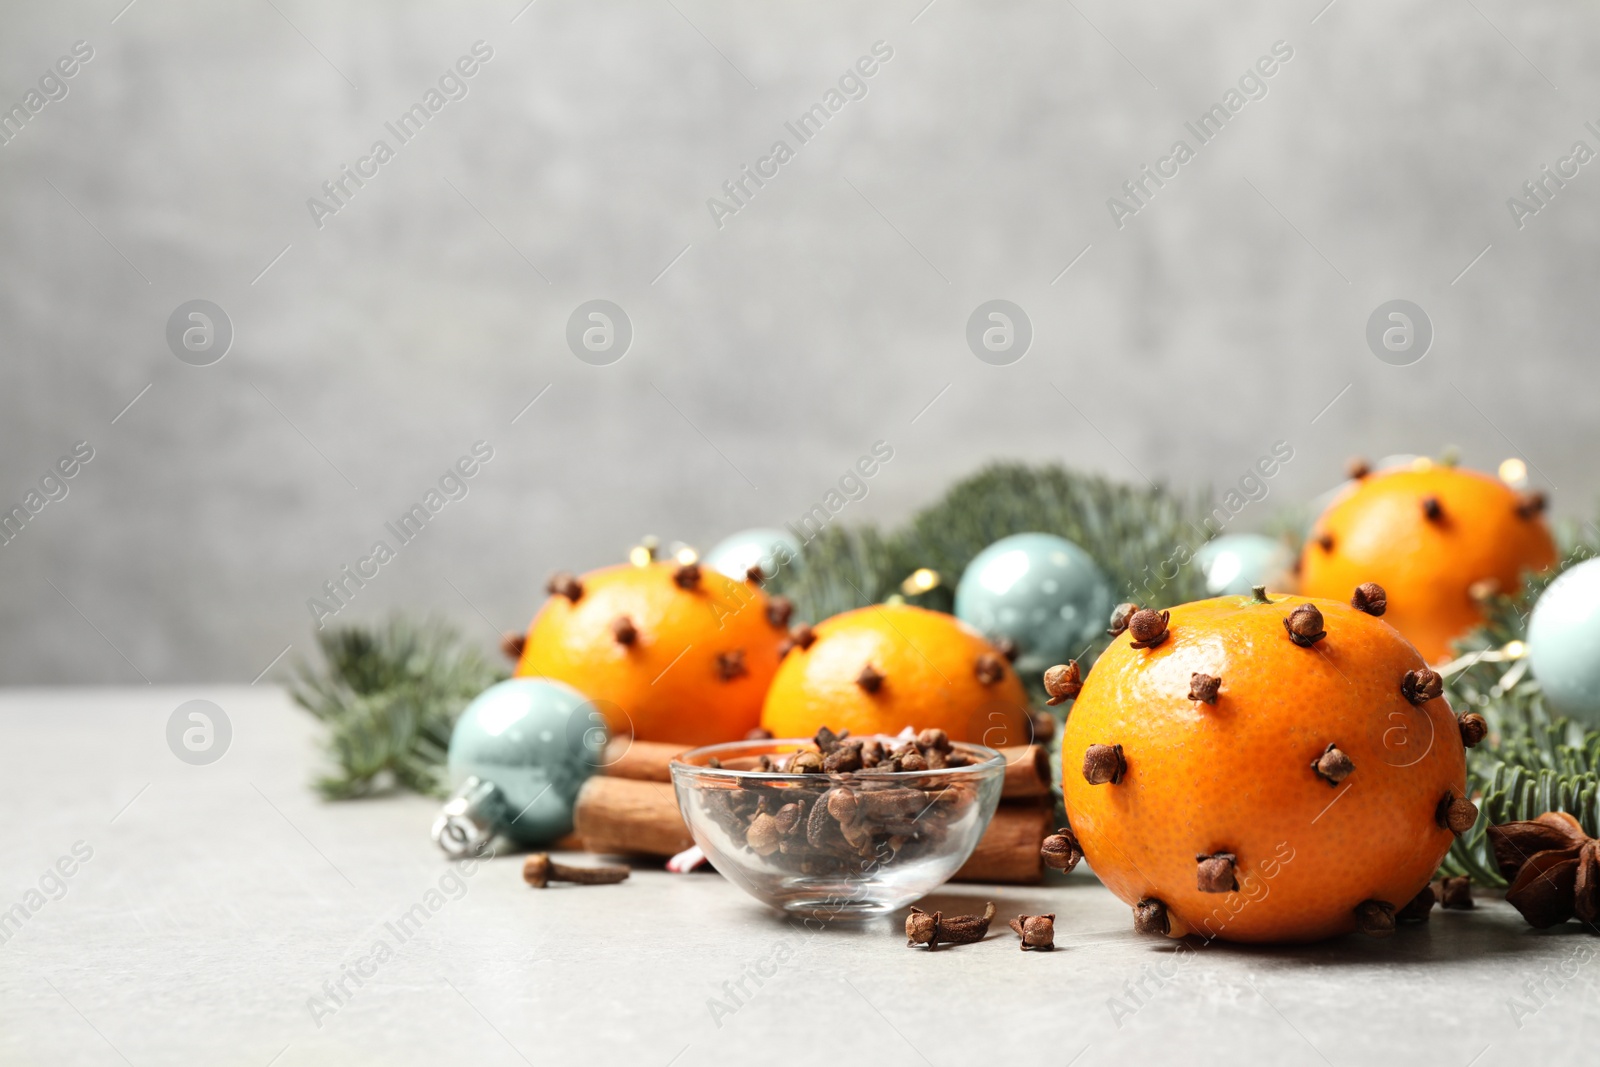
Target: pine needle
column 389, row 696
column 1533, row 761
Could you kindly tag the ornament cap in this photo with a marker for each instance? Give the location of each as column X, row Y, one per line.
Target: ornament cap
column 468, row 821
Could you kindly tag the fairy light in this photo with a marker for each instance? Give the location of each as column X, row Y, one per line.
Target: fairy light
column 1514, row 649
column 920, row 581
column 644, row 553
column 1514, row 472
column 687, row 555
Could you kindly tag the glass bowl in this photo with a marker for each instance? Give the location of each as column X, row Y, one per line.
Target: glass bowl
column 849, row 845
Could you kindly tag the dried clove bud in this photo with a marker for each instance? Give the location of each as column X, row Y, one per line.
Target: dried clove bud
column 1061, row 851
column 754, row 574
column 989, row 668
column 1304, row 625
column 843, row 759
column 841, row 804
column 913, row 761
column 805, row 762
column 760, row 733
column 1420, row 905
column 1454, row 893
column 1370, row 598
column 1203, row 688
column 623, row 629
column 762, row 835
column 1063, row 682
column 1104, row 764
column 1150, row 917
column 934, row 738
column 1456, row 814
column 1037, row 932
column 1432, row 510
column 779, row 611
column 1119, row 618
column 539, row 870
column 933, row 930
column 1421, row 685
column 1324, row 541
column 826, row 740
column 730, row 665
column 870, row 679
column 1375, row 918
column 1531, row 505
column 1007, row 648
column 687, row 576
column 1148, row 628
column 563, row 583
column 1473, row 728
column 1333, row 766
column 1358, row 468
column 788, row 818
column 512, row 644
column 1215, row 873
column 801, row 637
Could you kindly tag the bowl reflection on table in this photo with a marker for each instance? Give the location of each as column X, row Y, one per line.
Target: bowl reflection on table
column 834, row 846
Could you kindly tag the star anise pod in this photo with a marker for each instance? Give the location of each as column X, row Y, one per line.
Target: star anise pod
column 1553, row 868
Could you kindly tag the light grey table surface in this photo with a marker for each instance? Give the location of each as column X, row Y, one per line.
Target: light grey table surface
column 218, row 900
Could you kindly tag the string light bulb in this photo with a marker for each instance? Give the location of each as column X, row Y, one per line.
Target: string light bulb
column 1514, row 472
column 644, row 553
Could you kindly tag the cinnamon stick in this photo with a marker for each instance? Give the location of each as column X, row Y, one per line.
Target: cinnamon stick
column 625, row 815
column 643, row 760
column 1027, row 766
column 621, row 815
column 1009, row 849
column 1027, row 772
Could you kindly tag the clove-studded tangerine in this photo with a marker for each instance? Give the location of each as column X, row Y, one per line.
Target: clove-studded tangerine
column 669, row 651
column 1316, row 797
column 879, row 669
column 1436, row 538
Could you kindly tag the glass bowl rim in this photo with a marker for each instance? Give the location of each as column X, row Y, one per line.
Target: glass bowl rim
column 991, row 760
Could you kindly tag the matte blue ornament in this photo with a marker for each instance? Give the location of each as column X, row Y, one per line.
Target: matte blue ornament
column 1564, row 643
column 1237, row 563
column 1040, row 591
column 774, row 550
column 518, row 755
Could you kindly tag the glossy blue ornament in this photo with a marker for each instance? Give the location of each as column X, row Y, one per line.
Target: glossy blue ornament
column 1564, row 643
column 1040, row 591
column 774, row 550
column 1237, row 563
column 518, row 755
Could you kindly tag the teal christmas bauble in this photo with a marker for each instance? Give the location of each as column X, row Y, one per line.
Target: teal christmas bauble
column 774, row 550
column 1564, row 643
column 1040, row 591
column 518, row 756
column 1237, row 563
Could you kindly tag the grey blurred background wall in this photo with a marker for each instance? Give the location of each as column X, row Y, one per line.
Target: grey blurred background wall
column 828, row 312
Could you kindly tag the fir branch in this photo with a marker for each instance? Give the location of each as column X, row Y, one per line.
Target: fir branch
column 1133, row 534
column 1130, row 532
column 1535, row 762
column 841, row 568
column 389, row 697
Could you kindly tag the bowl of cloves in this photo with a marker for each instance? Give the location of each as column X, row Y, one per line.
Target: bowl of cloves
column 839, row 827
